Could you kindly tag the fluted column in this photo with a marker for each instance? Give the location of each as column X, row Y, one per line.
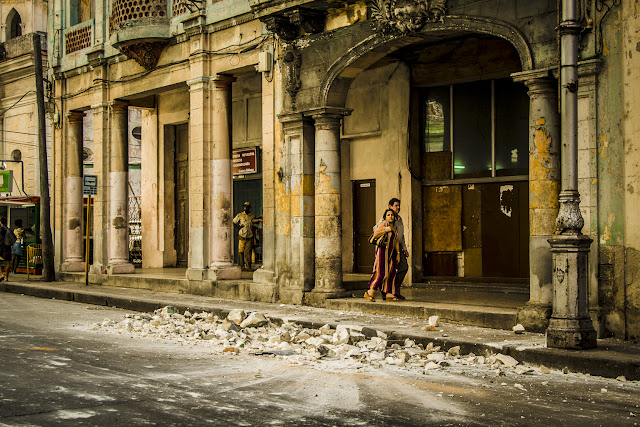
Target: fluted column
column 118, row 226
column 73, row 213
column 328, row 202
column 221, row 230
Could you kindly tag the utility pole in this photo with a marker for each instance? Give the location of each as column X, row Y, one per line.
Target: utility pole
column 49, row 274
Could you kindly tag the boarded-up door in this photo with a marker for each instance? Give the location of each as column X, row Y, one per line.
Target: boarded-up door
column 505, row 230
column 182, row 195
column 364, row 218
column 442, row 229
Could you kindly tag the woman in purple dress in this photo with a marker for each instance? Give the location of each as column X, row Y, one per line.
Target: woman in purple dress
column 386, row 260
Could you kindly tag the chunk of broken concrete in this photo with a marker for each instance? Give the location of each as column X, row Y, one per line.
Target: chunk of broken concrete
column 254, row 320
column 454, row 351
column 236, row 316
column 506, row 360
column 518, row 329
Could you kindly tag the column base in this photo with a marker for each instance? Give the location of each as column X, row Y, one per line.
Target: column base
column 72, row 266
column 318, row 298
column 121, row 268
column 575, row 334
column 223, row 272
column 264, row 276
column 534, row 317
column 196, row 274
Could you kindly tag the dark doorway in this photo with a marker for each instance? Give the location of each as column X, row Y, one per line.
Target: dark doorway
column 248, row 190
column 364, row 218
column 182, row 195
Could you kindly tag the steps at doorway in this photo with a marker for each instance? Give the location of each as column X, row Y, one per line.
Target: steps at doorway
column 472, row 315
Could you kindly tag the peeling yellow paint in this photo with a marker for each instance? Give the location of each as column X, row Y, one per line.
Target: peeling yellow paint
column 541, row 121
column 347, row 15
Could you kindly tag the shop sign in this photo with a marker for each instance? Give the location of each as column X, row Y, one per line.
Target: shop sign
column 245, row 161
column 6, row 181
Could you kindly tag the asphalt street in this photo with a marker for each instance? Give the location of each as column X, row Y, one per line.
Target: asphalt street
column 55, row 369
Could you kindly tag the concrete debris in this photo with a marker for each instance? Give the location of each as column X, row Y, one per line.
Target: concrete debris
column 518, row 329
column 520, row 387
column 254, row 320
column 621, row 378
column 236, row 316
column 253, row 333
column 544, row 370
column 433, row 321
column 507, row 361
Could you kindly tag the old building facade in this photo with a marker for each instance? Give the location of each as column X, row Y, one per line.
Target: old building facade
column 19, row 160
column 451, row 106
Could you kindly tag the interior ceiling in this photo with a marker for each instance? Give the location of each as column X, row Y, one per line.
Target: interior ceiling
column 456, row 56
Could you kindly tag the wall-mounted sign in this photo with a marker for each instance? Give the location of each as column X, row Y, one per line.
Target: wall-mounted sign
column 90, row 184
column 6, row 181
column 245, row 161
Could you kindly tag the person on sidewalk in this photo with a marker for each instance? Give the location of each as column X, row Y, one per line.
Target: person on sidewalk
column 403, row 266
column 16, row 248
column 385, row 261
column 244, row 222
column 7, row 239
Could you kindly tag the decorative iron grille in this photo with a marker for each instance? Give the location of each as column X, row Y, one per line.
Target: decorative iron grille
column 77, row 39
column 135, row 230
column 129, row 10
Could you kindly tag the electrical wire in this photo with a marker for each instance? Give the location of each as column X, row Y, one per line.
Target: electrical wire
column 15, row 103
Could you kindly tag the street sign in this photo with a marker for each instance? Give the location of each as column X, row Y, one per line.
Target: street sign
column 90, row 184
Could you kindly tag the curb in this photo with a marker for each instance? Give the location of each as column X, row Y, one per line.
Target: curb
column 609, row 365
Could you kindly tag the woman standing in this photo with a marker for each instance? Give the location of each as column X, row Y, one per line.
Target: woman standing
column 386, row 260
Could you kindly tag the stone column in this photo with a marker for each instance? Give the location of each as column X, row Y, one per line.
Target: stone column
column 570, row 325
column 544, row 188
column 221, row 231
column 299, row 138
column 100, row 222
column 328, row 204
column 73, row 212
column 118, row 225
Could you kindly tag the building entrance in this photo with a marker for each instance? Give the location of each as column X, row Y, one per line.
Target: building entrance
column 182, row 194
column 364, row 218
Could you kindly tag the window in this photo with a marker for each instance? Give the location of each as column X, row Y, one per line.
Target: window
column 14, row 25
column 80, row 11
column 483, row 126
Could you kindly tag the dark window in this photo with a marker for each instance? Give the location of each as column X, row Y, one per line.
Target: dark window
column 512, row 128
column 472, row 130
column 16, row 25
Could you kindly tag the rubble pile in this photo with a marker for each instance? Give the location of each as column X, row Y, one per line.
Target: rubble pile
column 254, row 333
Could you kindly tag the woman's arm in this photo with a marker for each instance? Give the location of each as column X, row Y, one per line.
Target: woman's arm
column 380, row 230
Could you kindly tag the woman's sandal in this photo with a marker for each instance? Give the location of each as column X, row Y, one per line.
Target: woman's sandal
column 369, row 297
column 392, row 298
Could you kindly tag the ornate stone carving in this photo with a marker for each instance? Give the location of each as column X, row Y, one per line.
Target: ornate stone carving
column 407, row 16
column 288, row 25
column 145, row 53
column 281, row 26
column 292, row 61
column 569, row 219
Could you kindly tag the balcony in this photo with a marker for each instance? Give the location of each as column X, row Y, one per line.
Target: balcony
column 140, row 29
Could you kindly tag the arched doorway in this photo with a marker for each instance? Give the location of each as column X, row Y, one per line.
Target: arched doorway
column 467, row 133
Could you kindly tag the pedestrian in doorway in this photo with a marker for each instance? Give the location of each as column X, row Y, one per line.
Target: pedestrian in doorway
column 403, row 266
column 386, row 260
column 7, row 239
column 16, row 248
column 245, row 221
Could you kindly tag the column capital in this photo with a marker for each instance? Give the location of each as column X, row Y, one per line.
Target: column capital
column 219, row 82
column 293, row 123
column 328, row 117
column 74, row 116
column 99, row 107
column 119, row 106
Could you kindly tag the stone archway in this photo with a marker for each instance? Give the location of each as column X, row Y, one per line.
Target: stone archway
column 340, row 74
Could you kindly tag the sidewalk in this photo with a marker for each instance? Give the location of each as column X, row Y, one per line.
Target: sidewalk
column 612, row 358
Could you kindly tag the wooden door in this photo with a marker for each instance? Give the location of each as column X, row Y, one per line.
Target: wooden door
column 364, row 218
column 182, row 195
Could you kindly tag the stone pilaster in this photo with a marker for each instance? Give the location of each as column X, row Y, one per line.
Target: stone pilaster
column 299, row 138
column 544, row 189
column 221, row 230
column 118, row 245
column 328, row 205
column 73, row 212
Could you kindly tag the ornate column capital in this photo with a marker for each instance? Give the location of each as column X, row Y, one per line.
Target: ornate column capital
column 118, row 106
column 327, row 117
column 74, row 117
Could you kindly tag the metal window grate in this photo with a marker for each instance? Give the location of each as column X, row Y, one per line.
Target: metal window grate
column 77, row 39
column 135, row 230
column 128, row 10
